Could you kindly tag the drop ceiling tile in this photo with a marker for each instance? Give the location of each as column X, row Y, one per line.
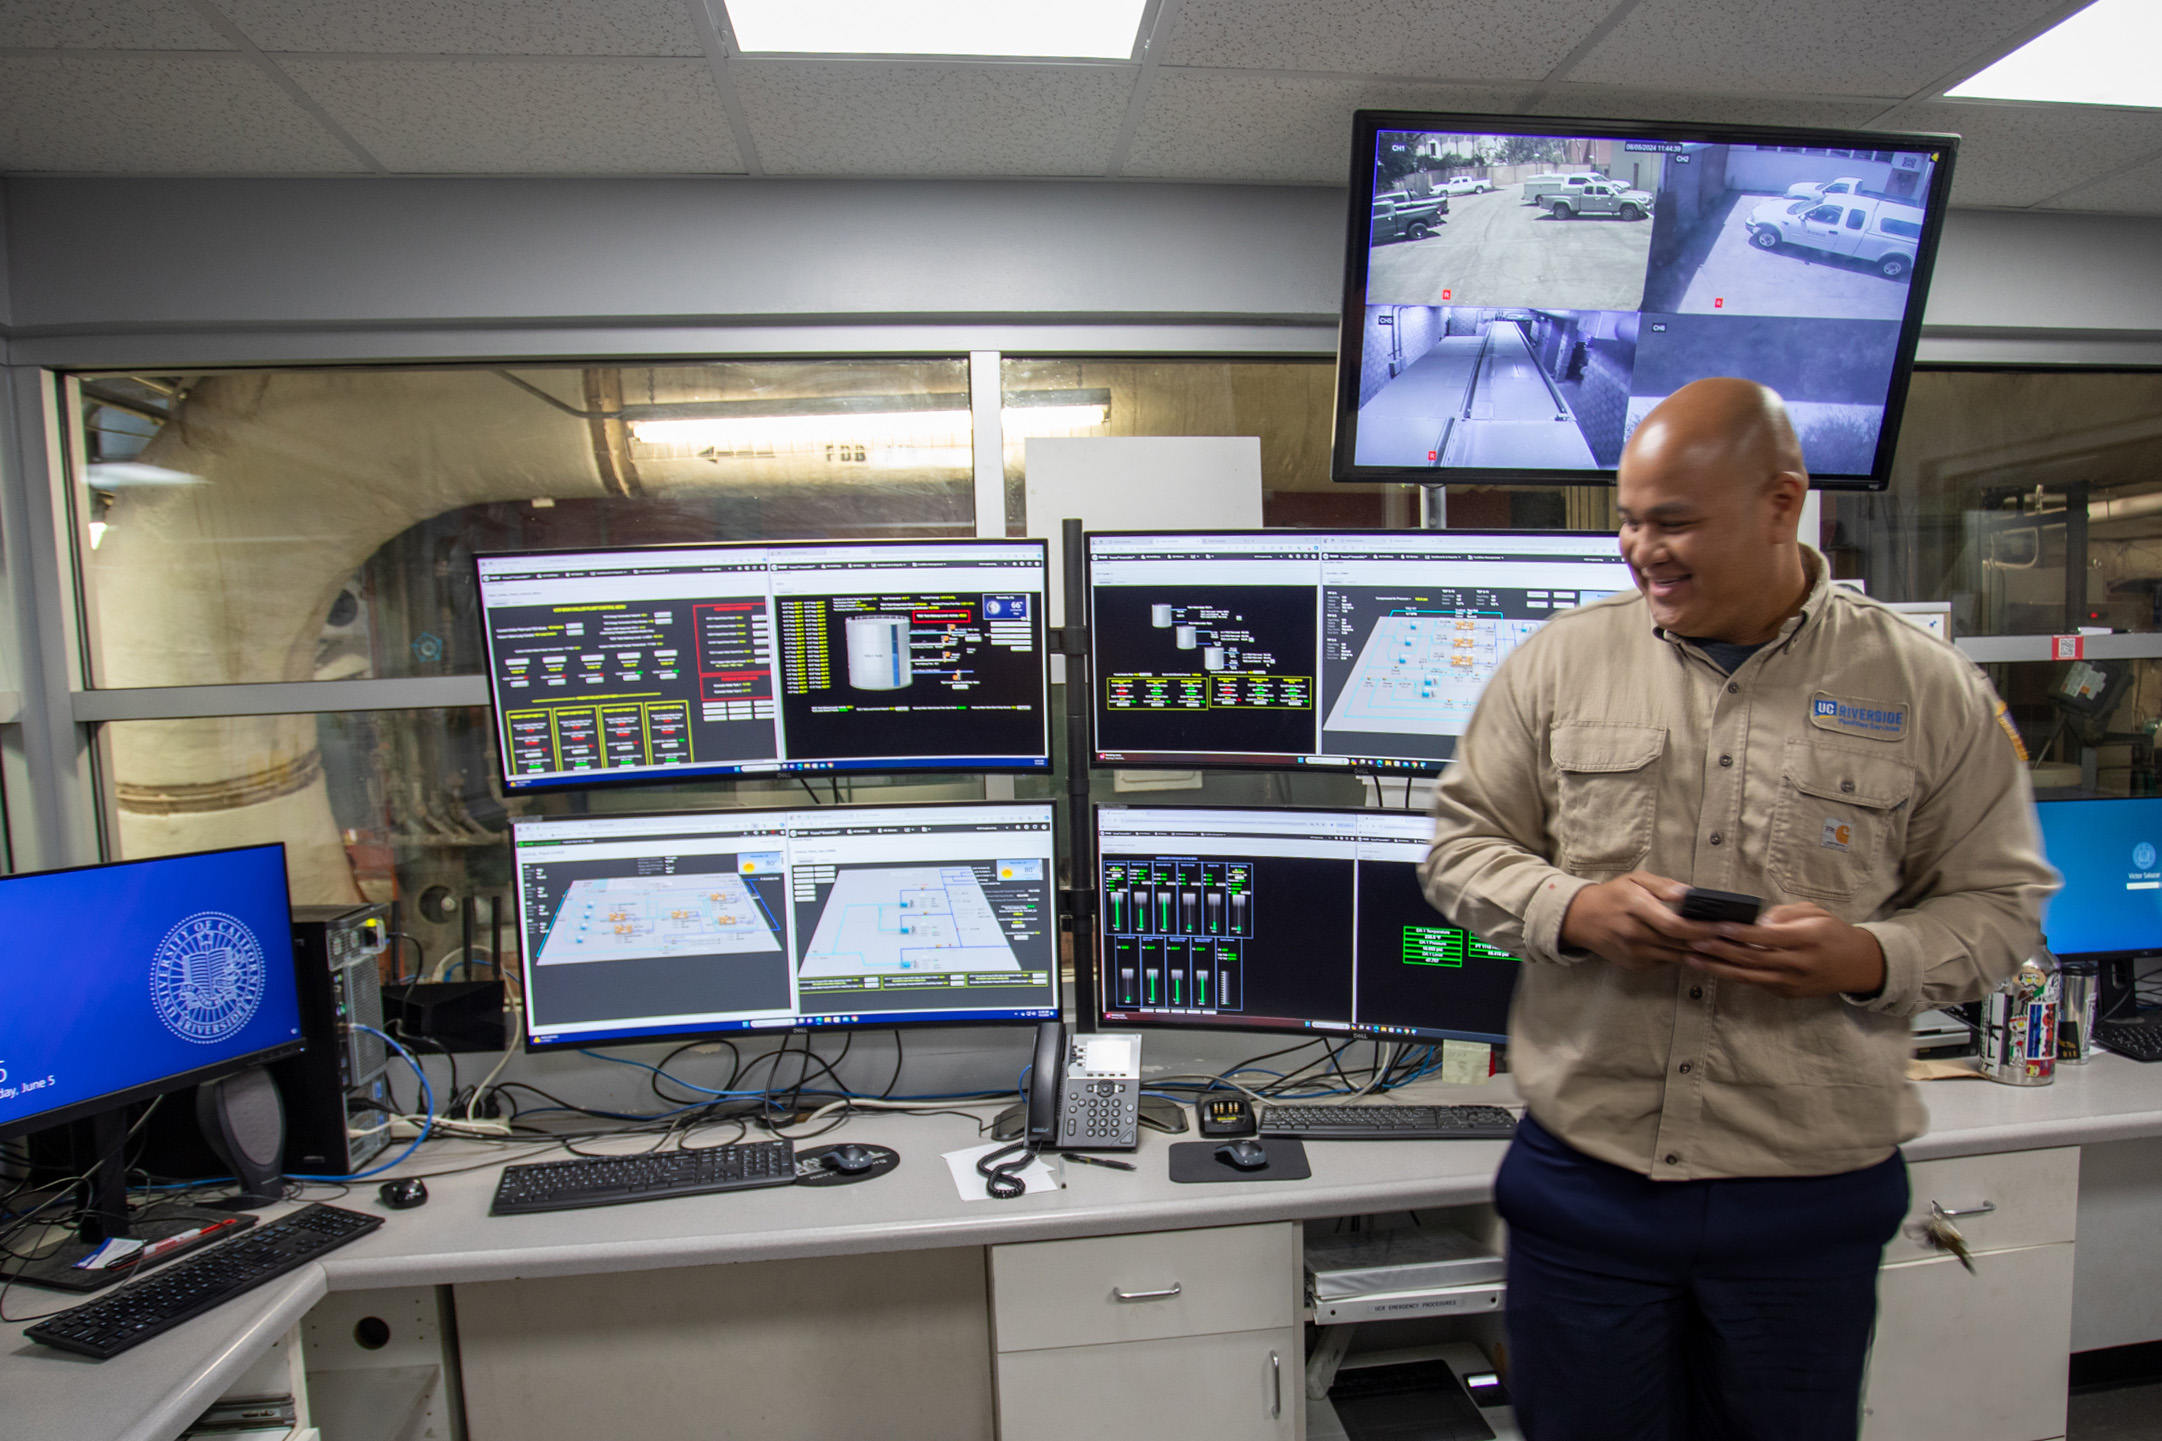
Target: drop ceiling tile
column 857, row 118
column 1610, row 102
column 165, row 115
column 1221, row 125
column 1828, row 47
column 2134, row 191
column 1521, row 40
column 469, row 27
column 2019, row 155
column 528, row 117
column 106, row 25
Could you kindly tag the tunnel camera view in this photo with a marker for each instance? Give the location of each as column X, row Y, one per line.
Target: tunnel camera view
column 1482, row 220
column 1513, row 389
column 643, row 663
column 648, row 926
column 1345, row 649
column 1228, row 918
column 1511, row 285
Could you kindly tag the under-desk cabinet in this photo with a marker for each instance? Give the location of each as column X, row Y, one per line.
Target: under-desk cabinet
column 1193, row 1334
column 1981, row 1356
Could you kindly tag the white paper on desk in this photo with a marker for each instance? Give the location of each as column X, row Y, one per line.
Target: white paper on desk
column 969, row 1182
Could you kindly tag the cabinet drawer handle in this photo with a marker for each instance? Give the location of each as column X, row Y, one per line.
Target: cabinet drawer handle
column 1276, row 1386
column 1164, row 1295
column 1948, row 1212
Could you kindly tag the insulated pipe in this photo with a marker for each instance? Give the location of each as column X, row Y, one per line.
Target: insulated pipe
column 229, row 580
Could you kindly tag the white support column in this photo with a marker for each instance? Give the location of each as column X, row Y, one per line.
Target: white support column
column 45, row 755
column 984, row 406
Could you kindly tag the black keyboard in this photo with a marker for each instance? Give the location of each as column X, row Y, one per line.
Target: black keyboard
column 186, row 1289
column 1388, row 1123
column 646, row 1176
column 2141, row 1040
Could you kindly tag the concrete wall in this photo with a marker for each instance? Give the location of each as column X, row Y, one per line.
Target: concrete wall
column 235, row 269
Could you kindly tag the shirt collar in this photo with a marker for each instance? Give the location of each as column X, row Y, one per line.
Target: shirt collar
column 1820, row 588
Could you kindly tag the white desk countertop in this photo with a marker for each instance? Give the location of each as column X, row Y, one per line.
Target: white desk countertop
column 150, row 1393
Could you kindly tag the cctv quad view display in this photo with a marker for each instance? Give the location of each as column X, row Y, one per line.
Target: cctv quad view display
column 669, row 663
column 1519, row 294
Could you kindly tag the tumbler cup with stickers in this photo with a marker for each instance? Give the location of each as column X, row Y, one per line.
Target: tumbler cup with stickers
column 2019, row 1024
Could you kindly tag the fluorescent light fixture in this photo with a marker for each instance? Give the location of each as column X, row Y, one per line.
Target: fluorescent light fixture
column 916, row 429
column 1066, row 29
column 122, row 474
column 2104, row 55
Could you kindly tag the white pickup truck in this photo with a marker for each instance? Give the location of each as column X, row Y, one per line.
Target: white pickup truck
column 1539, row 187
column 1880, row 233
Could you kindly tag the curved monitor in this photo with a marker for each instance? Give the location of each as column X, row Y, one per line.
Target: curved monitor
column 1279, row 919
column 1349, row 650
column 129, row 980
column 669, row 663
column 692, row 923
column 1519, row 292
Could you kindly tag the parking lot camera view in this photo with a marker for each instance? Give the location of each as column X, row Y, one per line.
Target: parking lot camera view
column 1529, row 298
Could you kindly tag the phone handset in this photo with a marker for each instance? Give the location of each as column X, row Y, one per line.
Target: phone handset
column 1039, row 1126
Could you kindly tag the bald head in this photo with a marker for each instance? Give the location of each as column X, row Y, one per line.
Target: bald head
column 1736, row 428
column 1710, row 491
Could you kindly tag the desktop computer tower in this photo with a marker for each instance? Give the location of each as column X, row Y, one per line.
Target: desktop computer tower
column 332, row 1089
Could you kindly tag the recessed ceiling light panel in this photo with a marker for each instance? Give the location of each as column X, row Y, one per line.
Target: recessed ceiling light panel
column 1064, row 29
column 2104, row 55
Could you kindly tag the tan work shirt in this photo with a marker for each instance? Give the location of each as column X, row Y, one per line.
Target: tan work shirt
column 1856, row 762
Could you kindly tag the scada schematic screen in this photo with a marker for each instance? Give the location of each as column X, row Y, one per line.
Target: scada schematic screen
column 670, row 663
column 1359, row 650
column 646, row 927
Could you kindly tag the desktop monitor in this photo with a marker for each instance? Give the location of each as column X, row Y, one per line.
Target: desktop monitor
column 693, row 923
column 1285, row 920
column 130, row 980
column 1354, row 650
column 671, row 663
column 2110, row 854
column 1519, row 292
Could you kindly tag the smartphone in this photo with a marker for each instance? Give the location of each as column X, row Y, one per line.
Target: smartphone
column 1703, row 905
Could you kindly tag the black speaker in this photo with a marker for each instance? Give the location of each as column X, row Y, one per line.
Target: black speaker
column 243, row 1119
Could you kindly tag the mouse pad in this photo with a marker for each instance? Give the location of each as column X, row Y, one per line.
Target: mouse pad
column 811, row 1169
column 1193, row 1162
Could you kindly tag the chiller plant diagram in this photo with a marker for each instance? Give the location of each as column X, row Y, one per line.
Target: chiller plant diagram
column 1185, row 622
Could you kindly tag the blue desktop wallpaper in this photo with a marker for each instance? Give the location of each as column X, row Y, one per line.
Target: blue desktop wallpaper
column 2111, row 855
column 117, row 976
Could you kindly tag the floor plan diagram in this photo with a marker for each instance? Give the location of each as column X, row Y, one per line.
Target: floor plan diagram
column 628, row 918
column 907, row 919
column 1421, row 673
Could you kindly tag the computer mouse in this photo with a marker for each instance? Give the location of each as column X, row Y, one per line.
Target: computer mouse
column 1247, row 1154
column 404, row 1193
column 851, row 1160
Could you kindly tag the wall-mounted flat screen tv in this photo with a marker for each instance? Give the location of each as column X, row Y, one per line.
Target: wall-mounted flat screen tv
column 1519, row 293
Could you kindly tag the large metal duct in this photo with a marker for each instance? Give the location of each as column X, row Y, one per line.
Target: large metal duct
column 305, row 474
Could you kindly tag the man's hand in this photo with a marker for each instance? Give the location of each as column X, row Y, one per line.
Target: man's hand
column 1794, row 951
column 1631, row 922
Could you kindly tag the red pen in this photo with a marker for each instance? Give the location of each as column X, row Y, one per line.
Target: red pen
column 170, row 1244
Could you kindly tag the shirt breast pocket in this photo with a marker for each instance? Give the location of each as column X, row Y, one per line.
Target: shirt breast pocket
column 1841, row 813
column 1609, row 794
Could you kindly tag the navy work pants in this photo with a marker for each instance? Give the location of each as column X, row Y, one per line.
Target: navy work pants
column 1689, row 1310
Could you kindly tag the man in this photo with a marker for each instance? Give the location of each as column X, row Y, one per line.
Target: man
column 1701, row 1192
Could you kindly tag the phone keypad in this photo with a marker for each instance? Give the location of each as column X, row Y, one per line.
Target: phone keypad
column 1100, row 1111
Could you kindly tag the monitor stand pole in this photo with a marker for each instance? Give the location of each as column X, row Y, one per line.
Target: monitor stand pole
column 100, row 1159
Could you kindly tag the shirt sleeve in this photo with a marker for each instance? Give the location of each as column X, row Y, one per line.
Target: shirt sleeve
column 1973, row 877
column 1487, row 870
